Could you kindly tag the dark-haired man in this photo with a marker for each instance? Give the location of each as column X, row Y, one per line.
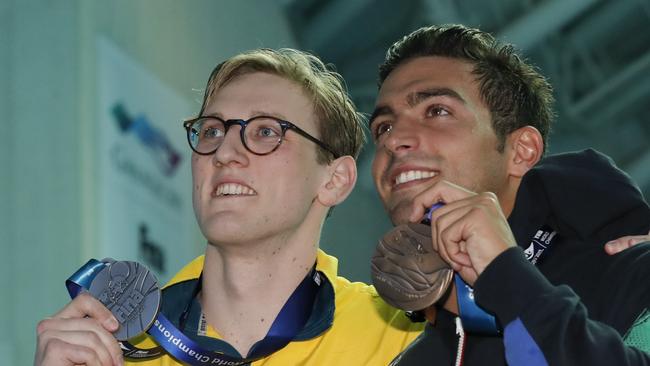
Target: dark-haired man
column 462, row 119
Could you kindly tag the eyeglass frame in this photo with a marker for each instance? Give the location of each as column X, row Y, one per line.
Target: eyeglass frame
column 284, row 126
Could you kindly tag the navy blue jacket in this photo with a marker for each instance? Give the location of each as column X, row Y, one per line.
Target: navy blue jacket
column 574, row 306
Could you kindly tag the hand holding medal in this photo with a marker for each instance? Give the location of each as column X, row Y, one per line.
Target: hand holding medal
column 111, row 301
column 410, row 275
column 79, row 334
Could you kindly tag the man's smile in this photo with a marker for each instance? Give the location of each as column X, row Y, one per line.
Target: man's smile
column 232, row 189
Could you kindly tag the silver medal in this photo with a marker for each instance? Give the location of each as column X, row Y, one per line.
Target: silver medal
column 131, row 292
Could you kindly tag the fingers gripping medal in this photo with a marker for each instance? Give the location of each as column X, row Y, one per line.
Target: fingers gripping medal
column 406, row 271
column 128, row 289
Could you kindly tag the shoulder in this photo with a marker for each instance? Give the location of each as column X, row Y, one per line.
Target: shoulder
column 190, row 271
column 359, row 307
column 364, row 331
column 358, row 303
column 582, row 194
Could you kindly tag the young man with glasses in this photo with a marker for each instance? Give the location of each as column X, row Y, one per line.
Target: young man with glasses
column 462, row 119
column 274, row 148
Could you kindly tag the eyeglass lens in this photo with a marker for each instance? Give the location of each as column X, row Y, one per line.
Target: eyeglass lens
column 260, row 135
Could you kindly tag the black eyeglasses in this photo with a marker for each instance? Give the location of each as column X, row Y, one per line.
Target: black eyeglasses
column 260, row 135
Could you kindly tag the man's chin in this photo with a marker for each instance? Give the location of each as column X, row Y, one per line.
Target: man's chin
column 400, row 213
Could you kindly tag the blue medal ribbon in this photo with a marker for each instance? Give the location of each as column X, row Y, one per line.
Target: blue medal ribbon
column 473, row 317
column 83, row 277
column 292, row 318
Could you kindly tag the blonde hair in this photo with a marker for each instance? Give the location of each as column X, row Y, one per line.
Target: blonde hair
column 340, row 125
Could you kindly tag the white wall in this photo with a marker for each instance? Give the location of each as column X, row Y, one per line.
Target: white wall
column 48, row 194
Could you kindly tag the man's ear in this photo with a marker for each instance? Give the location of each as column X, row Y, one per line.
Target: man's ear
column 526, row 147
column 342, row 177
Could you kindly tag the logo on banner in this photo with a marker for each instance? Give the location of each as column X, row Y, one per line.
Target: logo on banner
column 154, row 140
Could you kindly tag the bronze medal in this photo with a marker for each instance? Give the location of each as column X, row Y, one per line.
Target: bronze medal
column 406, row 271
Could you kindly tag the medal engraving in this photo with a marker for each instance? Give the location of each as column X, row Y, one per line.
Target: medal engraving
column 131, row 292
column 406, row 271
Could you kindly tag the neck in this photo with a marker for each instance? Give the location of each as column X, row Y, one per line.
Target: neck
column 450, row 304
column 508, row 196
column 245, row 286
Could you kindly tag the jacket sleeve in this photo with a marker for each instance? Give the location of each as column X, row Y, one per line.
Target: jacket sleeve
column 546, row 324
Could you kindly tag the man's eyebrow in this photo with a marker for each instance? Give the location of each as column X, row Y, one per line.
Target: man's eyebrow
column 379, row 111
column 259, row 112
column 253, row 113
column 215, row 114
column 418, row 97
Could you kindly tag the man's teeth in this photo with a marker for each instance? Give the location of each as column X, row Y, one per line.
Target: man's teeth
column 234, row 189
column 412, row 175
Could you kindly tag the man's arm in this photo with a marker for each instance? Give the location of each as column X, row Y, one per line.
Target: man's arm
column 548, row 323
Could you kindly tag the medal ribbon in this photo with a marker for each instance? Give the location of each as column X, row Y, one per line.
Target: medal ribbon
column 292, row 318
column 473, row 317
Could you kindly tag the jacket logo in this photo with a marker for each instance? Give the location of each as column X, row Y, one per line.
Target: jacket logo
column 539, row 244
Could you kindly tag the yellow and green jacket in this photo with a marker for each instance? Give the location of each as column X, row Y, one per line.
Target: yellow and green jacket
column 349, row 325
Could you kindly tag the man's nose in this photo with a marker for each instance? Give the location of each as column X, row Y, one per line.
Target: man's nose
column 403, row 136
column 231, row 149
